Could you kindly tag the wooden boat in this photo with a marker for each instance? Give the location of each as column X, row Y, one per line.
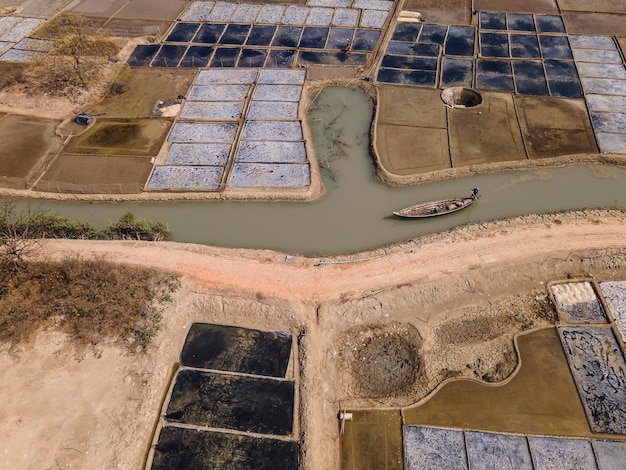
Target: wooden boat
column 436, row 208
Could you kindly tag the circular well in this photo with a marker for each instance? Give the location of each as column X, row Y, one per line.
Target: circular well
column 459, row 97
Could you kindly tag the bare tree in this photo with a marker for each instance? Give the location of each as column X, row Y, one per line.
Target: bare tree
column 80, row 50
column 17, row 240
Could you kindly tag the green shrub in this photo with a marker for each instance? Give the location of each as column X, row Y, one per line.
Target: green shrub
column 128, row 227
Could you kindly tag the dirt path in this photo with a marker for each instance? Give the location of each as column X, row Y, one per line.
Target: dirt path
column 269, row 274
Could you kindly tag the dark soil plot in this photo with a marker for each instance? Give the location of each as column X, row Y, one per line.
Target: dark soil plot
column 492, row 20
column 235, row 34
column 313, row 38
column 460, row 41
column 139, row 137
column 549, row 24
column 518, row 22
column 96, row 174
column 197, row 56
column 406, row 32
column 25, row 140
column 524, row 46
column 407, row 77
column 180, row 448
column 225, row 57
column 331, row 58
column 563, row 79
column 372, row 440
column 143, row 55
column 457, row 72
column 494, row 45
column 529, row 78
column 281, row 58
column 229, row 348
column 169, row 55
column 287, row 36
column 365, row 40
column 183, row 32
column 406, row 62
column 433, row 34
column 250, row 404
column 252, row 58
column 261, row 35
column 555, row 47
column 132, row 28
column 209, row 33
column 338, row 38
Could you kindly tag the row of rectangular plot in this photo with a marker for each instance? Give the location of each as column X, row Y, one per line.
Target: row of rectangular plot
column 521, row 22
column 603, row 77
column 429, row 40
column 309, row 37
column 544, row 78
column 283, row 14
column 270, row 151
column 170, row 55
column 436, row 448
column 231, row 380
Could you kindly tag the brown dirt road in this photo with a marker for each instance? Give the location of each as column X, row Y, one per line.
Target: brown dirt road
column 269, row 274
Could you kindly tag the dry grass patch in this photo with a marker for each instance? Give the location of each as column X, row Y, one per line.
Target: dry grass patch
column 91, row 301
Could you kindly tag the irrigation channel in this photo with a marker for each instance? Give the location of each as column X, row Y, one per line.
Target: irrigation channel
column 355, row 214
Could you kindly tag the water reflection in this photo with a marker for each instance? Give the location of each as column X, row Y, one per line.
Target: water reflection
column 355, row 214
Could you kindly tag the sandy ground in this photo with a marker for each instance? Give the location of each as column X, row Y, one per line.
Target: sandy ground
column 62, row 408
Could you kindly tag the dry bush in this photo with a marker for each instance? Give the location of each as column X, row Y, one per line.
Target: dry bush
column 91, row 301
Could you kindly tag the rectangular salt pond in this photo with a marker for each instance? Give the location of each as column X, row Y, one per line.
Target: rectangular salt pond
column 183, row 32
column 320, row 16
column 433, row 448
column 551, row 452
column 186, row 178
column 277, row 93
column 281, row 77
column 198, row 154
column 281, row 110
column 196, row 132
column 226, row 77
column 578, row 303
column 529, row 78
column 246, row 13
column 603, row 392
column 213, row 110
column 373, row 18
column 238, row 402
column 272, row 130
column 457, row 72
column 498, row 451
column 218, row 93
column 198, row 11
column 270, row 175
column 234, row 349
column 261, row 35
column 460, row 41
column 295, row 14
column 271, row 152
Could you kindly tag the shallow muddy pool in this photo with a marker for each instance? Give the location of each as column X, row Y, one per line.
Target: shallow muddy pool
column 355, row 214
